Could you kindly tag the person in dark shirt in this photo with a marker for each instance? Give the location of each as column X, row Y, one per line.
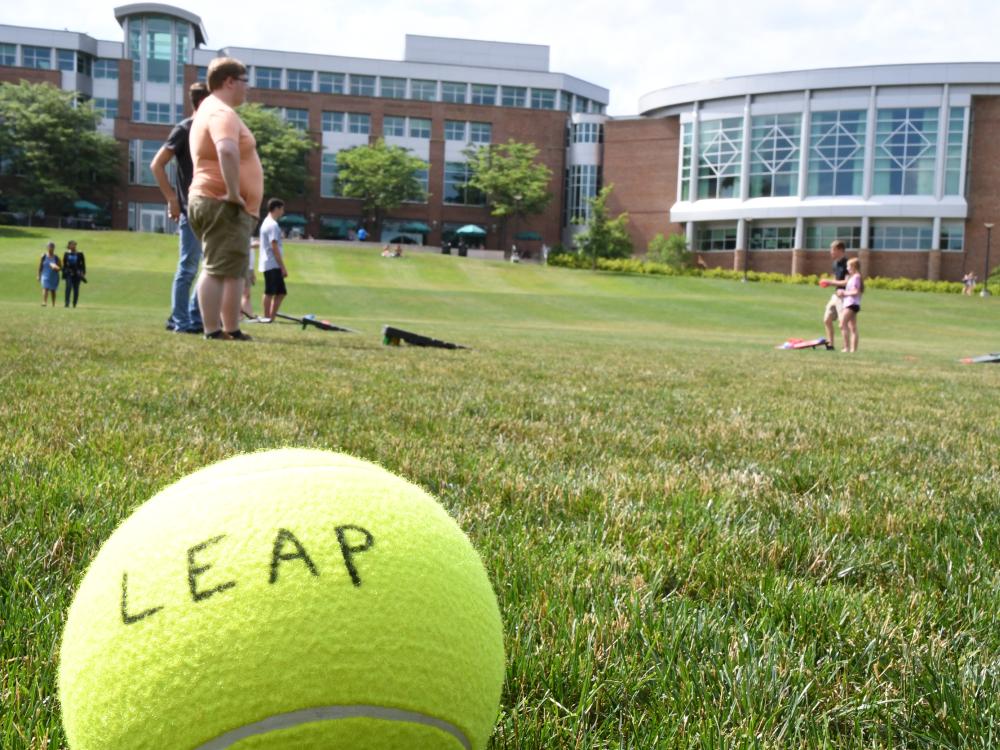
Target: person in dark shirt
column 835, row 305
column 74, row 270
column 185, row 316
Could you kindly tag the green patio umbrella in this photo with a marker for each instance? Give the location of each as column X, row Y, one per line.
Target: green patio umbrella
column 415, row 226
column 295, row 220
column 527, row 236
column 86, row 207
column 471, row 230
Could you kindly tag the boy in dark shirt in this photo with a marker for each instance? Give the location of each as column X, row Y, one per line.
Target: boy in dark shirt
column 834, row 306
column 184, row 316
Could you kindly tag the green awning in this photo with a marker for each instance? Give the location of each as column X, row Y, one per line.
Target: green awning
column 295, row 220
column 415, row 226
column 527, row 236
column 86, row 207
column 339, row 223
column 471, row 230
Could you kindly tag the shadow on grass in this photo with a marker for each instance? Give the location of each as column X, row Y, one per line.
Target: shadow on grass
column 15, row 231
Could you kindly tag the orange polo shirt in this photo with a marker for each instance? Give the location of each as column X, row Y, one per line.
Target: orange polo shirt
column 213, row 122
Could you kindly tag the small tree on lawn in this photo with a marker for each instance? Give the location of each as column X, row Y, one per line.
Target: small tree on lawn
column 50, row 146
column 381, row 177
column 515, row 185
column 283, row 150
column 672, row 251
column 604, row 237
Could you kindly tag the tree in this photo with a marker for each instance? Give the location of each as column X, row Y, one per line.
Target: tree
column 604, row 237
column 50, row 146
column 283, row 150
column 513, row 182
column 672, row 251
column 381, row 177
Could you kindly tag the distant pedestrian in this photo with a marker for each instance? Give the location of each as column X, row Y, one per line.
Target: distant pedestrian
column 48, row 273
column 74, row 271
column 185, row 317
column 272, row 259
column 224, row 198
column 362, row 234
column 969, row 283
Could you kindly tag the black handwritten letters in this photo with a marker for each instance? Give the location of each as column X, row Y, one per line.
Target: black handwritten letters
column 286, row 549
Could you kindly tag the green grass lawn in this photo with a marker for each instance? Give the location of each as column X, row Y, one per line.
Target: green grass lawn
column 697, row 541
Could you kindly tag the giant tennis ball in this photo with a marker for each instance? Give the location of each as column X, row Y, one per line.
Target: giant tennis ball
column 287, row 599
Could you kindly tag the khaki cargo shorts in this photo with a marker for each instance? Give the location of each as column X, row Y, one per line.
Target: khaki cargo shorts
column 834, row 308
column 224, row 230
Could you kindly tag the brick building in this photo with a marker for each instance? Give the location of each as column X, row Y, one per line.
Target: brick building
column 444, row 96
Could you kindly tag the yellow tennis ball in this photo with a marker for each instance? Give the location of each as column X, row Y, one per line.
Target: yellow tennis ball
column 285, row 599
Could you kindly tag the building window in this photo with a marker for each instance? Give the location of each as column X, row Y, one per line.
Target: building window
column 687, row 136
column 141, row 154
column 901, row 236
column 423, row 90
column 484, row 94
column 84, row 64
column 393, row 126
column 420, row 128
column 159, row 113
column 587, row 132
column 331, row 83
column 203, row 73
column 392, row 88
column 480, row 132
column 454, row 130
column 422, row 177
column 720, row 149
column 954, row 152
column 159, row 49
column 105, row 68
column 453, row 92
column 953, row 236
column 359, row 124
column 107, row 107
column 36, row 57
column 580, row 104
column 837, row 153
column 715, row 238
column 456, row 189
column 362, row 85
column 66, row 59
column 300, row 80
column 329, row 185
column 333, row 122
column 8, row 54
column 513, row 96
column 543, row 99
column 297, row 117
column 821, row 236
column 583, row 185
column 905, row 147
column 267, row 78
column 774, row 155
column 772, row 238
column 135, row 47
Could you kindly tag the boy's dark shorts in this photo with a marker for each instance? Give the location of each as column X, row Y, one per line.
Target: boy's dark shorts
column 274, row 283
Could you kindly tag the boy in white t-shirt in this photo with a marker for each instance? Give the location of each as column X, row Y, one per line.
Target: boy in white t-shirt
column 272, row 259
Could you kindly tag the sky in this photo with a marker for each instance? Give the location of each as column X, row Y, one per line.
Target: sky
column 632, row 47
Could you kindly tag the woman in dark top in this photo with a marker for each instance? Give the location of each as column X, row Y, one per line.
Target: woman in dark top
column 74, row 270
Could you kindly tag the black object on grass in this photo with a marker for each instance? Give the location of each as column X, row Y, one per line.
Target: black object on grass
column 395, row 336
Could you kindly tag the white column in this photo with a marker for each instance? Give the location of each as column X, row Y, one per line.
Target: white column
column 695, row 155
column 742, row 234
column 942, row 148
column 804, row 151
column 870, row 128
column 865, row 232
column 936, row 234
column 689, row 233
column 800, row 233
column 745, row 158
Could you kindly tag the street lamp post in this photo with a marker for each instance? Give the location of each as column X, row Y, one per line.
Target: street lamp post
column 986, row 271
column 517, row 210
column 746, row 247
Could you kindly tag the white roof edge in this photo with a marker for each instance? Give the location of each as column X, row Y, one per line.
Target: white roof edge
column 903, row 74
column 135, row 9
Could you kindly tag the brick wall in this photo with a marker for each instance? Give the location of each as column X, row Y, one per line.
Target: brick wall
column 640, row 160
column 984, row 189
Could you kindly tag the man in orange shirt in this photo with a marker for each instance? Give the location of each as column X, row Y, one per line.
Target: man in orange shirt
column 224, row 197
